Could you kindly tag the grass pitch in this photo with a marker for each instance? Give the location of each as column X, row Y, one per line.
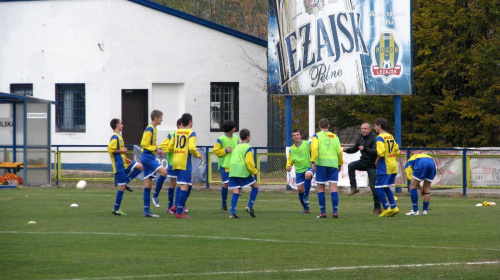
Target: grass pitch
column 455, row 241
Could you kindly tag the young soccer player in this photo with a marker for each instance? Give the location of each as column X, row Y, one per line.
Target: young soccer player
column 387, row 168
column 300, row 156
column 222, row 149
column 418, row 168
column 242, row 174
column 170, row 174
column 151, row 166
column 183, row 145
column 326, row 159
column 125, row 170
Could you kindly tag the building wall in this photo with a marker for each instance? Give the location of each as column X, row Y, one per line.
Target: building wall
column 112, row 45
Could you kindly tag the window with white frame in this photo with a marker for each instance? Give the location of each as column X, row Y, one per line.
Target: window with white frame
column 70, row 107
column 223, row 104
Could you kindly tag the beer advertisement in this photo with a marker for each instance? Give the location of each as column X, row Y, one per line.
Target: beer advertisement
column 340, row 47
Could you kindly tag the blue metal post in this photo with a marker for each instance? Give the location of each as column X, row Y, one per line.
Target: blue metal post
column 408, row 155
column 57, row 165
column 206, row 168
column 14, row 133
column 464, row 171
column 25, row 142
column 397, row 125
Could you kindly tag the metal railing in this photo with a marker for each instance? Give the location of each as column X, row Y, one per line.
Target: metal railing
column 456, row 167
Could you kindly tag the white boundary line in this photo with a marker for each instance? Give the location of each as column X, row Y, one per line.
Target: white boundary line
column 290, row 270
column 250, row 239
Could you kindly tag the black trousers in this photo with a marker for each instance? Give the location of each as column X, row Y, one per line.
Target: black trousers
column 372, row 177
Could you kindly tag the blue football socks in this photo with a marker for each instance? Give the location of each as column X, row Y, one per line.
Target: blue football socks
column 234, row 202
column 322, row 202
column 223, row 194
column 118, row 202
column 390, row 197
column 301, row 199
column 382, row 197
column 182, row 201
column 134, row 174
column 147, row 199
column 425, row 206
column 253, row 196
column 335, row 201
column 307, row 187
column 171, row 192
column 176, row 197
column 414, row 199
column 159, row 185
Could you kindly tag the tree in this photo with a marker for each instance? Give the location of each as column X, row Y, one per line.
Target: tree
column 248, row 16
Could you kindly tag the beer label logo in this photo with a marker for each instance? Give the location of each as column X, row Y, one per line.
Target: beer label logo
column 386, row 53
column 313, row 6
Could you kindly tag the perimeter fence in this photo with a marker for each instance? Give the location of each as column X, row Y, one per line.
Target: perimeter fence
column 456, row 167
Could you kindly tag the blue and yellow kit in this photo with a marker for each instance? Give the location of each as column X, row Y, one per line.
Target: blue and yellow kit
column 182, row 145
column 118, row 161
column 388, row 150
column 148, row 142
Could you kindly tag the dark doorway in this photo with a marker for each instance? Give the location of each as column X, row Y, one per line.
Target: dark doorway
column 134, row 115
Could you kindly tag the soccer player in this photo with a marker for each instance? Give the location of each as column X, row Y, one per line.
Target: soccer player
column 387, row 168
column 418, row 168
column 125, row 170
column 151, row 166
column 170, row 174
column 326, row 160
column 242, row 174
column 300, row 157
column 222, row 149
column 183, row 145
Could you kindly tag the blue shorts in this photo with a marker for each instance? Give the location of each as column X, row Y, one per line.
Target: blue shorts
column 150, row 165
column 300, row 178
column 183, row 177
column 326, row 174
column 224, row 174
column 384, row 181
column 171, row 173
column 239, row 182
column 424, row 169
column 121, row 177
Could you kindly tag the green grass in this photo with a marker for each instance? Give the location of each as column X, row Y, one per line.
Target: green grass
column 88, row 242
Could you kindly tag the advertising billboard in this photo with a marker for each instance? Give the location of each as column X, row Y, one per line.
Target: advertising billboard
column 340, row 47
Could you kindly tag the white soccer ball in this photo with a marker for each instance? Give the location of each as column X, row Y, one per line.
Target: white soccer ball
column 81, row 185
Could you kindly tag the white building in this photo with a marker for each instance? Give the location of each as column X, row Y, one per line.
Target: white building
column 104, row 59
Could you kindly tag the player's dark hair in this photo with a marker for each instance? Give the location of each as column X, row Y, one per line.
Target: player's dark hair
column 382, row 122
column 244, row 133
column 179, row 121
column 156, row 113
column 113, row 123
column 297, row 130
column 324, row 123
column 228, row 126
column 186, row 118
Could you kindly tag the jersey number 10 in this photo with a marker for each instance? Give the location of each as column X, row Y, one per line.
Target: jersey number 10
column 180, row 142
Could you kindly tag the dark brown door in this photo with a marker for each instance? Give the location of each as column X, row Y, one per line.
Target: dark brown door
column 134, row 115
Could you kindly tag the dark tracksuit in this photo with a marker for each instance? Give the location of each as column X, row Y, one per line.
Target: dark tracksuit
column 365, row 163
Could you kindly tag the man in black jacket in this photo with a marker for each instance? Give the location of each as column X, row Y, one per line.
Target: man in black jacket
column 367, row 146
